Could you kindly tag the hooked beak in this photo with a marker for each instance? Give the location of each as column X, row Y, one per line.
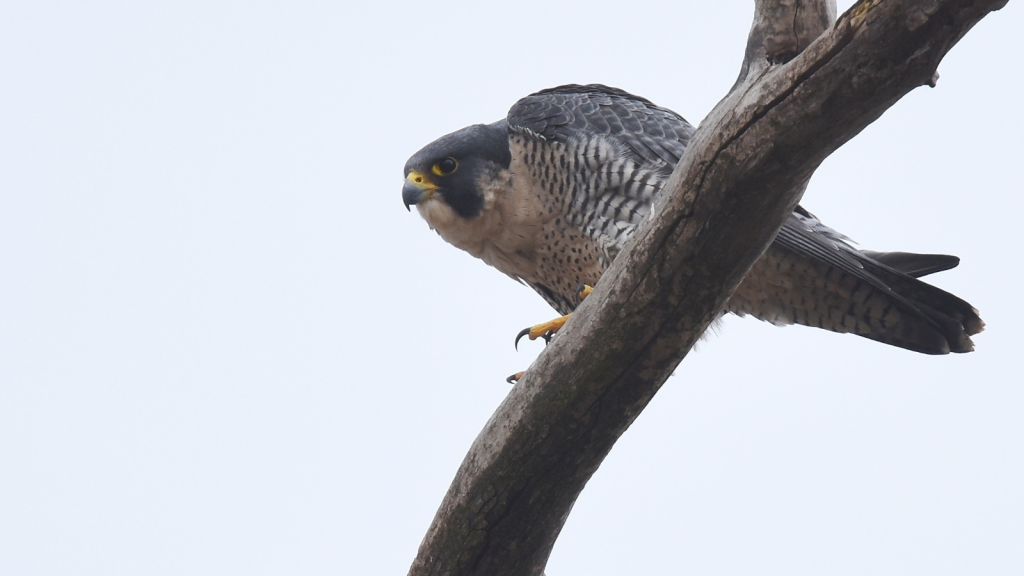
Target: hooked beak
column 417, row 188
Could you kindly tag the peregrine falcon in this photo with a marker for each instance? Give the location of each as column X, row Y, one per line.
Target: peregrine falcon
column 550, row 194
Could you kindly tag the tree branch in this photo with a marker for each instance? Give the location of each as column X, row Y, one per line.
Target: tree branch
column 799, row 97
column 781, row 30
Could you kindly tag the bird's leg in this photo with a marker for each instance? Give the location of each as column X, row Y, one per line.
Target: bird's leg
column 548, row 329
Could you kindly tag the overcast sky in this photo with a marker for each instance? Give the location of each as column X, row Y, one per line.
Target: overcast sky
column 226, row 348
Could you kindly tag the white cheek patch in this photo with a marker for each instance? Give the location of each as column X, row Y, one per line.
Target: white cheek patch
column 505, row 228
column 439, row 216
column 456, row 230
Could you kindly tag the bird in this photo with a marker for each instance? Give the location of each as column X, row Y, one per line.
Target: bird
column 550, row 194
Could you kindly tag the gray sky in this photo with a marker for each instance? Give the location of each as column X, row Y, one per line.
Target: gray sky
column 226, row 348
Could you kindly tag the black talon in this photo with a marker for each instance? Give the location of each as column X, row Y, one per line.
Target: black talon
column 580, row 289
column 525, row 332
column 512, row 379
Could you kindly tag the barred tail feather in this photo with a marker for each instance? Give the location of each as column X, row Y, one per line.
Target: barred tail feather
column 874, row 300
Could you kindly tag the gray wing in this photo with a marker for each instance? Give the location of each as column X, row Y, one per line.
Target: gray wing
column 612, row 153
column 649, row 134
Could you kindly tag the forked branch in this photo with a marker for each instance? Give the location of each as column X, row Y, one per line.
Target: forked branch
column 807, row 85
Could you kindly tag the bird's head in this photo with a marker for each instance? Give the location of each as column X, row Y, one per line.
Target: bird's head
column 455, row 170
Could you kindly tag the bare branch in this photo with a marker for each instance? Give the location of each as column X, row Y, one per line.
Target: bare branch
column 742, row 174
column 781, row 30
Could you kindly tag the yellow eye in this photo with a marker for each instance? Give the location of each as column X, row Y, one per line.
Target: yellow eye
column 445, row 167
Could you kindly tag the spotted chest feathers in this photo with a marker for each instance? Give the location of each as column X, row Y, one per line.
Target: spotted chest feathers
column 562, row 256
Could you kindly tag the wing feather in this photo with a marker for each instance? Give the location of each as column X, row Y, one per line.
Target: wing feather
column 624, row 148
column 653, row 135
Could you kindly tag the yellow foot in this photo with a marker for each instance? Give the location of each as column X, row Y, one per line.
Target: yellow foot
column 545, row 330
column 515, row 377
column 548, row 329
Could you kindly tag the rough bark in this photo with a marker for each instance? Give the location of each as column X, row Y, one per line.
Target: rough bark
column 801, row 94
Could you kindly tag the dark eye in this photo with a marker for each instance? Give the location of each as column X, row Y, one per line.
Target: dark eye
column 446, row 166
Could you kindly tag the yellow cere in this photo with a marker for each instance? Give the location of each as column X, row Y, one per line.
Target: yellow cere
column 420, row 180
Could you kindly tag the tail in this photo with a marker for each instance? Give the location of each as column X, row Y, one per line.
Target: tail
column 875, row 295
column 937, row 312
